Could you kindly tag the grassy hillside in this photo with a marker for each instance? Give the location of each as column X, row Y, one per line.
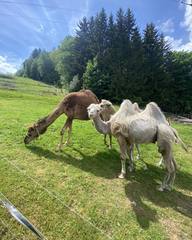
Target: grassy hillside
column 26, row 85
column 76, row 194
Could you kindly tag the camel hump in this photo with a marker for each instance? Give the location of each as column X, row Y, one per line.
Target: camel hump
column 90, row 93
column 136, row 107
column 83, row 97
column 155, row 111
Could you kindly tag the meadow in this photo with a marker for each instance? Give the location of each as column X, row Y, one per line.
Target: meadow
column 75, row 194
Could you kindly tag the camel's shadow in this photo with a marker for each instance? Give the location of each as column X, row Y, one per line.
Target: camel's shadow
column 103, row 164
column 142, row 184
column 107, row 164
column 142, row 191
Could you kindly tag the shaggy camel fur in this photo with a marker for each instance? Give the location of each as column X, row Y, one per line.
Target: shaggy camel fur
column 137, row 108
column 107, row 110
column 74, row 105
column 149, row 126
column 106, row 113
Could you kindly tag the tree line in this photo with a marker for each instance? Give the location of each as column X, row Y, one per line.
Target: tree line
column 110, row 56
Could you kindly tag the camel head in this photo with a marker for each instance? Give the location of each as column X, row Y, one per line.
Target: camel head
column 105, row 104
column 35, row 130
column 94, row 110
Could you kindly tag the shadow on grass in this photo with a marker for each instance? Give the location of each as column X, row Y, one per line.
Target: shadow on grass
column 142, row 185
column 142, row 188
column 103, row 164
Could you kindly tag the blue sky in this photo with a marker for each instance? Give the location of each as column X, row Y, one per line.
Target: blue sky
column 29, row 24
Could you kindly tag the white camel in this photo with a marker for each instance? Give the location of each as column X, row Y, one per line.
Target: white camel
column 149, row 126
column 107, row 110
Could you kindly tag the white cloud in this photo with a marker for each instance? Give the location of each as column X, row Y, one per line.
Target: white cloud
column 72, row 25
column 188, row 21
column 40, row 28
column 52, row 31
column 167, row 26
column 177, row 44
column 9, row 66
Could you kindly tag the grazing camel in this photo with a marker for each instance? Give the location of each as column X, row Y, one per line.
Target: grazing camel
column 74, row 105
column 149, row 126
column 107, row 110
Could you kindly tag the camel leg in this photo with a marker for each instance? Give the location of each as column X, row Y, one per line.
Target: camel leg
column 160, row 163
column 139, row 156
column 110, row 141
column 105, row 140
column 165, row 149
column 69, row 132
column 138, row 152
column 172, row 179
column 66, row 125
column 123, row 149
column 131, row 158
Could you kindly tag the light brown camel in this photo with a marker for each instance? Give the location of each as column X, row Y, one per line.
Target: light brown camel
column 74, row 105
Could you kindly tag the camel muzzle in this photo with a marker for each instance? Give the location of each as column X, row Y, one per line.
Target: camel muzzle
column 26, row 140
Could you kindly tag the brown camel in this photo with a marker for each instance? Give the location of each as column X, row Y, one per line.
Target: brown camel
column 74, row 105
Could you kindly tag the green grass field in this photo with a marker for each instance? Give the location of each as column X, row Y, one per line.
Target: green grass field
column 75, row 194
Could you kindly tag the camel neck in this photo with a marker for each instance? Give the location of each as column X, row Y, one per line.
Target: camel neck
column 101, row 126
column 53, row 116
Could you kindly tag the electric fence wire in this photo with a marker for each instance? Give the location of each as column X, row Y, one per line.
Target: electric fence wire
column 9, row 229
column 57, row 197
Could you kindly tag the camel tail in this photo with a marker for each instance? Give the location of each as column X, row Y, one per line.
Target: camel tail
column 179, row 139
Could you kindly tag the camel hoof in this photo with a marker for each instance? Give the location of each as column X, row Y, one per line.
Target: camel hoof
column 159, row 164
column 59, row 148
column 168, row 188
column 121, row 175
column 145, row 167
column 67, row 144
column 160, row 189
column 106, row 145
column 131, row 168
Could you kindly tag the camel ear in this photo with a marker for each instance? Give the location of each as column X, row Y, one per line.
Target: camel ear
column 99, row 108
column 31, row 128
column 109, row 105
